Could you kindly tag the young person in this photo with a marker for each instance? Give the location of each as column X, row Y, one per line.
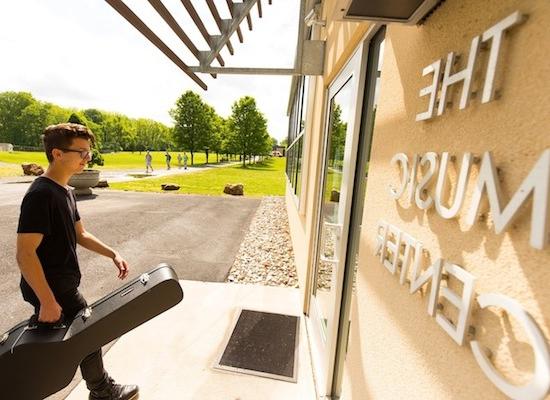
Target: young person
column 148, row 162
column 48, row 232
column 185, row 158
column 168, row 159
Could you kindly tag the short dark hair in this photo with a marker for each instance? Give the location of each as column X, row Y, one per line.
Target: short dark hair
column 61, row 136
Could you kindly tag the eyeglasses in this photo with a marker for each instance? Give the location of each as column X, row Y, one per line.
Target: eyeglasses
column 83, row 153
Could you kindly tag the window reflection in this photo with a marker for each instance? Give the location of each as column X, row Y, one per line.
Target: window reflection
column 331, row 221
column 297, row 125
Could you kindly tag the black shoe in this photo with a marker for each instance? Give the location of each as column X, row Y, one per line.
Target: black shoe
column 113, row 391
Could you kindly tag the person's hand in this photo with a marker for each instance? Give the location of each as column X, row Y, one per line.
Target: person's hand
column 50, row 312
column 122, row 266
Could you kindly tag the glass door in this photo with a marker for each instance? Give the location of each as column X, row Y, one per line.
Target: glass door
column 340, row 153
column 370, row 104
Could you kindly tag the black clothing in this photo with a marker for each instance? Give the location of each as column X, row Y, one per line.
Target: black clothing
column 91, row 367
column 113, row 391
column 50, row 209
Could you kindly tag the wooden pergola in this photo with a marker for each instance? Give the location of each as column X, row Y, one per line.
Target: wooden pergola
column 314, row 50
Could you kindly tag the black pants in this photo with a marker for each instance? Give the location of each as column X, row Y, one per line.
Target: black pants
column 92, row 365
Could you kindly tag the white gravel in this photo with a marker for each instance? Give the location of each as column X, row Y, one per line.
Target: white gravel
column 266, row 256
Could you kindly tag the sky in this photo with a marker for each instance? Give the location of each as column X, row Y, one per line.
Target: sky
column 83, row 54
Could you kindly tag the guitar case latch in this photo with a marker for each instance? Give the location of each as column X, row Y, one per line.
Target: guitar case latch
column 4, row 338
column 144, row 278
column 86, row 313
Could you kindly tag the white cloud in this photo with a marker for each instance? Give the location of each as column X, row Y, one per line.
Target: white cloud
column 84, row 54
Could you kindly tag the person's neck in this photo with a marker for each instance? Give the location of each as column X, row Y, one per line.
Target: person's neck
column 58, row 175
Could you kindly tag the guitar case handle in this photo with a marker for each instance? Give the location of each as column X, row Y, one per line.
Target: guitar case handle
column 34, row 323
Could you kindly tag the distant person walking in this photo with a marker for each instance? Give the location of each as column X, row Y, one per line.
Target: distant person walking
column 185, row 158
column 168, row 159
column 148, row 161
column 179, row 160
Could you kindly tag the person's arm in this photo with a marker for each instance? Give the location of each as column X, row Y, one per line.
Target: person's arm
column 90, row 242
column 32, row 271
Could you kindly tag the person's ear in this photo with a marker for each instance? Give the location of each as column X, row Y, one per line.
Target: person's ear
column 57, row 154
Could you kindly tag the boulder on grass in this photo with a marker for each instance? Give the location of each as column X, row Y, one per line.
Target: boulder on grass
column 234, row 189
column 32, row 169
column 170, row 186
column 334, row 196
column 102, row 184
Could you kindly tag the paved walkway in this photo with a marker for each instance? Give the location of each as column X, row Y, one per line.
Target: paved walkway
column 129, row 174
column 198, row 235
column 134, row 174
column 172, row 356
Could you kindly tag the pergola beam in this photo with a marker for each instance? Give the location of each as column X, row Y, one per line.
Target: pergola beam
column 229, row 26
column 230, row 6
column 220, row 23
column 137, row 23
column 245, row 71
column 173, row 24
column 202, row 29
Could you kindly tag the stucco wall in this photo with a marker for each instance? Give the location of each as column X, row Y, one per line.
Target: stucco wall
column 396, row 349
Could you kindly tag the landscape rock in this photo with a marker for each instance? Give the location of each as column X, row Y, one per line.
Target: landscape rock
column 234, row 189
column 334, row 196
column 32, row 169
column 266, row 255
column 170, row 186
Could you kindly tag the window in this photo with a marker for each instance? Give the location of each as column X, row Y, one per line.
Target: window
column 296, row 130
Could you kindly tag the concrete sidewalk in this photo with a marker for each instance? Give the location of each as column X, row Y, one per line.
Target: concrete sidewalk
column 135, row 174
column 171, row 356
column 123, row 175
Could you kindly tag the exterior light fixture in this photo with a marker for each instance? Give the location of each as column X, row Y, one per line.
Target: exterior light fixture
column 408, row 12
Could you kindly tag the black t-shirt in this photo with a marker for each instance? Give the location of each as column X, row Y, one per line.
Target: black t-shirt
column 50, row 209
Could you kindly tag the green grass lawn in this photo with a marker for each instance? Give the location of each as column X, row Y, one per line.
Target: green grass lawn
column 333, row 181
column 262, row 179
column 121, row 160
column 10, row 170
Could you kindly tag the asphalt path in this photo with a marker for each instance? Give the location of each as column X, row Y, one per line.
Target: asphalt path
column 198, row 235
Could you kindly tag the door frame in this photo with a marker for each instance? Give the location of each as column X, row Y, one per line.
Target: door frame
column 323, row 354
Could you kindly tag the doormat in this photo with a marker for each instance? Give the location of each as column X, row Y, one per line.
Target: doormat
column 263, row 344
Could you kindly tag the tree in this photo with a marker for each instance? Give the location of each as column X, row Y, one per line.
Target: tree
column 216, row 138
column 23, row 119
column 34, row 119
column 57, row 115
column 192, row 122
column 337, row 137
column 94, row 115
column 12, row 127
column 248, row 128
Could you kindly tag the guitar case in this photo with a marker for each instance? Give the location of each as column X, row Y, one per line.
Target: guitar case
column 37, row 360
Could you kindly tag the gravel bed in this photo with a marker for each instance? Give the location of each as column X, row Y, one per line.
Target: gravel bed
column 266, row 256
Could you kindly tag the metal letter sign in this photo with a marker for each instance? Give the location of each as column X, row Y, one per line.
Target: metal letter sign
column 494, row 35
column 535, row 185
column 389, row 247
